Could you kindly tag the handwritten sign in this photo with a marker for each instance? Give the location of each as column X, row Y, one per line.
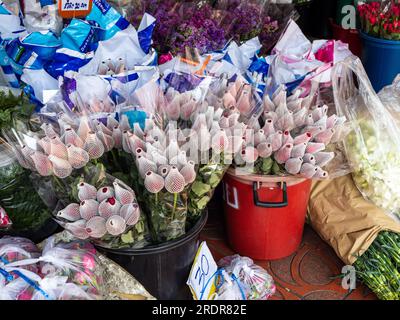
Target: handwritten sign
column 202, row 274
column 74, row 8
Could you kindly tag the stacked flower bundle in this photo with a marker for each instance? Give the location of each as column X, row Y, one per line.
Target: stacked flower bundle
column 290, row 135
column 381, row 19
column 108, row 210
column 73, row 150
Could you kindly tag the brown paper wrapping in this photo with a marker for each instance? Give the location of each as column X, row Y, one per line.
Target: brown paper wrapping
column 342, row 217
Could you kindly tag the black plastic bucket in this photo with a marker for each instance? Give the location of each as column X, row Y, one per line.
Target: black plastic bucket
column 48, row 228
column 162, row 269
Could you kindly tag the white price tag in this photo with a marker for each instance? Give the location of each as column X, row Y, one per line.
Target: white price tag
column 202, row 274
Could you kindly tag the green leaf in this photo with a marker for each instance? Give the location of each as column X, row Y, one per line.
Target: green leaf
column 200, row 188
column 202, row 203
column 276, row 169
column 215, row 179
column 127, row 237
column 267, row 165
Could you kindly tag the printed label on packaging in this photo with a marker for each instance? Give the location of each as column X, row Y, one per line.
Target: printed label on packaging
column 74, row 8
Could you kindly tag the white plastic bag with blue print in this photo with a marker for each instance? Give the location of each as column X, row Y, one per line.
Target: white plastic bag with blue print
column 42, row 15
column 79, row 41
column 126, row 84
column 10, row 28
column 292, row 57
column 86, row 93
column 107, row 18
column 120, row 53
column 44, row 86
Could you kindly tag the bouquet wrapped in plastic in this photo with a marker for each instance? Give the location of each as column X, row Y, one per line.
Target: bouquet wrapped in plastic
column 62, row 272
column 390, row 97
column 76, row 261
column 289, row 135
column 243, row 280
column 373, row 145
column 18, row 198
column 105, row 214
column 209, row 25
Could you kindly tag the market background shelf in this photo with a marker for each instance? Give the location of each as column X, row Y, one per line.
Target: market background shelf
column 309, row 274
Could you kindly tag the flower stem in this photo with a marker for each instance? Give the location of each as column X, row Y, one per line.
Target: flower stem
column 114, row 157
column 175, row 202
column 58, row 182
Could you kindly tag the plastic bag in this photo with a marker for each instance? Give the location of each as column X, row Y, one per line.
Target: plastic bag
column 390, row 97
column 39, row 17
column 373, row 146
column 62, row 272
column 75, row 261
column 14, row 274
column 254, row 282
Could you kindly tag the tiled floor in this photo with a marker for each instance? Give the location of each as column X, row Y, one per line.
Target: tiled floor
column 309, row 274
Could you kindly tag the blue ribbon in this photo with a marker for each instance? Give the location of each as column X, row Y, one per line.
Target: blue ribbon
column 215, row 277
column 239, row 285
column 32, row 283
column 219, row 285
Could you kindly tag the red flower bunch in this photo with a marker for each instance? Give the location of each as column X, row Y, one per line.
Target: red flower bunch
column 381, row 19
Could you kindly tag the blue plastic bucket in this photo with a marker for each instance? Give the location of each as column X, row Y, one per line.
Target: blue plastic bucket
column 381, row 59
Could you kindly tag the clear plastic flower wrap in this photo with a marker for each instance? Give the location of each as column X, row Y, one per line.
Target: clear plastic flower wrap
column 255, row 283
column 62, row 272
column 77, row 262
column 101, row 208
column 18, row 197
column 390, row 97
column 373, row 146
column 13, row 272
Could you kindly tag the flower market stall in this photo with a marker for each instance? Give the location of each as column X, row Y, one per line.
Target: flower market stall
column 119, row 120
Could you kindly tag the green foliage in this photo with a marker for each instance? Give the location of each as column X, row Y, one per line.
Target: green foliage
column 379, row 266
column 14, row 108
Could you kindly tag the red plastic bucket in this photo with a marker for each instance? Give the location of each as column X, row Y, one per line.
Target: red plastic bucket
column 265, row 214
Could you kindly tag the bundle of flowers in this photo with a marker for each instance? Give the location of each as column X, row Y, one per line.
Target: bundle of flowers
column 68, row 155
column 380, row 19
column 208, row 26
column 289, row 136
column 378, row 267
column 108, row 210
column 215, row 137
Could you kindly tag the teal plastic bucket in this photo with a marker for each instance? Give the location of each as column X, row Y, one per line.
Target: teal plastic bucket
column 381, row 59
